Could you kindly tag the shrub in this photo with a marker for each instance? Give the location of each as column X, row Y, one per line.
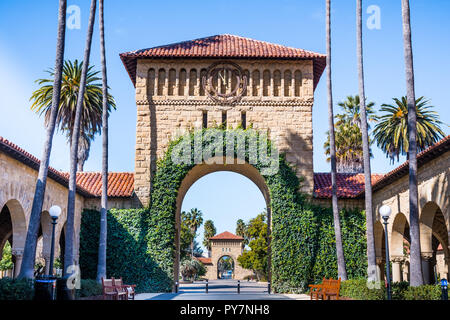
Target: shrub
column 357, row 289
column 15, row 289
column 425, row 292
column 89, row 288
column 398, row 290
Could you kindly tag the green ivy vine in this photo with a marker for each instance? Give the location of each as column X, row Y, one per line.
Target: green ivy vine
column 141, row 242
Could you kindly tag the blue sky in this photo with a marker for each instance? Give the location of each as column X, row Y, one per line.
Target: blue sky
column 27, row 48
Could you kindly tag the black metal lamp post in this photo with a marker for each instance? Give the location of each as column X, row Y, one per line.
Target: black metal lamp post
column 385, row 212
column 54, row 211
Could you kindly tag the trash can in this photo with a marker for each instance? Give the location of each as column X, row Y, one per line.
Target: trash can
column 45, row 288
column 63, row 292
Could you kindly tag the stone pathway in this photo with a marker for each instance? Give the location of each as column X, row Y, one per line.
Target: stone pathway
column 222, row 290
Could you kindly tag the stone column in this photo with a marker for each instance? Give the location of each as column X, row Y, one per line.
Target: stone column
column 18, row 255
column 47, row 263
column 380, row 268
column 426, row 266
column 447, row 267
column 397, row 269
column 282, row 87
column 176, row 91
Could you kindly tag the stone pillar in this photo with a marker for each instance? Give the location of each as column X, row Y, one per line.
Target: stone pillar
column 47, row 263
column 397, row 269
column 18, row 255
column 427, row 267
column 380, row 268
column 447, row 267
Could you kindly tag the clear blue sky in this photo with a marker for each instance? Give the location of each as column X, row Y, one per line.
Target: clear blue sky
column 27, row 48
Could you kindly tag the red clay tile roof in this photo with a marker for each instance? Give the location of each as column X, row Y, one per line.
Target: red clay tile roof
column 226, row 236
column 423, row 157
column 349, row 185
column 89, row 184
column 120, row 184
column 204, row 260
column 224, row 46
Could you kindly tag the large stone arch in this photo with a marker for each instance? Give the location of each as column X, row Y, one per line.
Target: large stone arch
column 399, row 232
column 399, row 258
column 18, row 232
column 201, row 170
column 19, row 224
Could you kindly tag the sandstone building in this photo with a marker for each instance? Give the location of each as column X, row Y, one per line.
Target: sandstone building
column 267, row 86
column 229, row 245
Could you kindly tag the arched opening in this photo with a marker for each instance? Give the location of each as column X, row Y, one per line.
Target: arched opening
column 434, row 243
column 201, row 171
column 225, row 267
column 13, row 231
column 399, row 248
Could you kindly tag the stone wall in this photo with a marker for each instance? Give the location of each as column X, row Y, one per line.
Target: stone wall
column 170, row 100
column 17, row 185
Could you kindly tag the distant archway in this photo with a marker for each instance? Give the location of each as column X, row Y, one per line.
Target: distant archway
column 225, row 267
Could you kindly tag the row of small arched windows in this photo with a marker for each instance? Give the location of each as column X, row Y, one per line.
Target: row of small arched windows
column 265, row 83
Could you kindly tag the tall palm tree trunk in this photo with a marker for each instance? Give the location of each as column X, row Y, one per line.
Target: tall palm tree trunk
column 342, row 272
column 416, row 276
column 69, row 254
column 371, row 258
column 101, row 265
column 27, row 267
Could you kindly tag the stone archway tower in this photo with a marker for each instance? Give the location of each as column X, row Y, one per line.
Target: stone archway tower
column 170, row 97
column 226, row 244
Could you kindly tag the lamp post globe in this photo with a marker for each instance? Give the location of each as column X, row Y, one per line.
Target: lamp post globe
column 55, row 211
column 385, row 211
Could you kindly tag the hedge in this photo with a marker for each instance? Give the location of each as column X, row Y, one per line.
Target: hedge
column 141, row 241
column 357, row 289
column 16, row 289
column 89, row 288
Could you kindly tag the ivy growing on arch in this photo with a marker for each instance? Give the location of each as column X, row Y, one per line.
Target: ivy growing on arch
column 302, row 236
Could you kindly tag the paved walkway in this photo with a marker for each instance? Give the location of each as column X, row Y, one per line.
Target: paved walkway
column 221, row 290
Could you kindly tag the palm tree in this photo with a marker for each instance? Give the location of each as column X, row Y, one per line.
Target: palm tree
column 27, row 267
column 352, row 111
column 241, row 231
column 91, row 120
column 69, row 254
column 194, row 220
column 348, row 136
column 371, row 257
column 342, row 273
column 210, row 231
column 349, row 149
column 416, row 274
column 101, row 265
column 391, row 131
